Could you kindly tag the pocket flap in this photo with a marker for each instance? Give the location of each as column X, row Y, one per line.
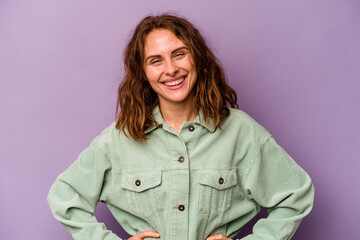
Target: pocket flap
column 140, row 181
column 219, row 179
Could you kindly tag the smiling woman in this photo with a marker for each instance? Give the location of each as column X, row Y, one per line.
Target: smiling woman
column 171, row 72
column 170, row 34
column 181, row 161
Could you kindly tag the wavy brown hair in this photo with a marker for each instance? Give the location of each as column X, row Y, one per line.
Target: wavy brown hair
column 136, row 99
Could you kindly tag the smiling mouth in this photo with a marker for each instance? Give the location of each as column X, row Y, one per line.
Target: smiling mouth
column 175, row 82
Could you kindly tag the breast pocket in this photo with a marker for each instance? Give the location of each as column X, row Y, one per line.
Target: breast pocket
column 142, row 192
column 215, row 191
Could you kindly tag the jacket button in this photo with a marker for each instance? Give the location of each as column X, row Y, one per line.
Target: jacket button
column 181, row 207
column 221, row 180
column 191, row 128
column 181, row 159
column 137, row 182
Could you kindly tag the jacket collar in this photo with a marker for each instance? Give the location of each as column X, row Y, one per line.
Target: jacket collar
column 158, row 119
column 199, row 120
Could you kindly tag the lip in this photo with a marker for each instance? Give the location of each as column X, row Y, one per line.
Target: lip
column 174, row 79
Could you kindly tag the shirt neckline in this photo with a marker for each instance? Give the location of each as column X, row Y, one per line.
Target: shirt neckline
column 198, row 120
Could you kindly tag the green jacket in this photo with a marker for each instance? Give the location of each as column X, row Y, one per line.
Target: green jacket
column 200, row 182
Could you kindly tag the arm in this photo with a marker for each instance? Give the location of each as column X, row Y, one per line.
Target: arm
column 75, row 193
column 277, row 183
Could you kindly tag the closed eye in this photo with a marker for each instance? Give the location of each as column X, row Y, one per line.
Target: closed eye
column 180, row 54
column 155, row 61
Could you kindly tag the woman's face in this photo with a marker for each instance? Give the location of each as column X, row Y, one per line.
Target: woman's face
column 169, row 67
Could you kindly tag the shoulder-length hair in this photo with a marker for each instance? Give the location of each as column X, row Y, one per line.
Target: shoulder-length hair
column 136, row 98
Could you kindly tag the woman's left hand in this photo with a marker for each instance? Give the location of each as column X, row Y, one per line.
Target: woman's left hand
column 218, row 237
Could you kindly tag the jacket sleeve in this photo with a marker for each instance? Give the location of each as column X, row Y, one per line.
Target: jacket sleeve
column 276, row 182
column 75, row 193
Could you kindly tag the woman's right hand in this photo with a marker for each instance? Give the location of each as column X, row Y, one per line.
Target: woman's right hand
column 145, row 234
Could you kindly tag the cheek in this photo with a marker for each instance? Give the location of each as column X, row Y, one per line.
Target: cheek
column 151, row 85
column 192, row 69
column 190, row 64
column 154, row 86
column 152, row 74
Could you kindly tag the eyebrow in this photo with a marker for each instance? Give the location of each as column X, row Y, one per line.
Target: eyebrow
column 156, row 56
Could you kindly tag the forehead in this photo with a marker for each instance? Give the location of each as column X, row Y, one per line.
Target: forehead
column 161, row 41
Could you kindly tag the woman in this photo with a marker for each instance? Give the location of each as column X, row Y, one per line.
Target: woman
column 180, row 162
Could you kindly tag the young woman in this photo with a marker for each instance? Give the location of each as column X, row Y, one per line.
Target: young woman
column 180, row 162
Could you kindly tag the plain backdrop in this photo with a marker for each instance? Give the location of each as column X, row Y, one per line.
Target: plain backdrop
column 294, row 64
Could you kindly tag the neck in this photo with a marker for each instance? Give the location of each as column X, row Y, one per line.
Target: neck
column 175, row 114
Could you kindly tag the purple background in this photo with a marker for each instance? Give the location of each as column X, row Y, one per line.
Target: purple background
column 294, row 64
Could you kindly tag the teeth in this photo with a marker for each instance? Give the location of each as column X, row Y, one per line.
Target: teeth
column 174, row 83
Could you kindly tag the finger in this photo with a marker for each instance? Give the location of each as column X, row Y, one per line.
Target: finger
column 145, row 234
column 217, row 237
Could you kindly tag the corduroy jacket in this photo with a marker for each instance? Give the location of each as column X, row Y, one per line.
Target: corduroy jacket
column 186, row 186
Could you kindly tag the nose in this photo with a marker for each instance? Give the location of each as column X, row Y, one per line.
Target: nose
column 171, row 68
